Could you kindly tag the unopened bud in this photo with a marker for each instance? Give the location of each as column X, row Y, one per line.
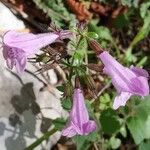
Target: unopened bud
column 94, row 45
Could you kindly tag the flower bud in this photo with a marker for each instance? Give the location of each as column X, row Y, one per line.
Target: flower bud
column 94, row 45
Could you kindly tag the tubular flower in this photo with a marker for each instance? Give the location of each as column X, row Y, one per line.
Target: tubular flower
column 79, row 122
column 17, row 47
column 127, row 81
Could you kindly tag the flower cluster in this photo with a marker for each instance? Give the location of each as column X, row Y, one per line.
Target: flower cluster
column 17, row 47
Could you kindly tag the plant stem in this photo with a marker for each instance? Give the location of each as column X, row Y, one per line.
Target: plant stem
column 142, row 33
column 41, row 139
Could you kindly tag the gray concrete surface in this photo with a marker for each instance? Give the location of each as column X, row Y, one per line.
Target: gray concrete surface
column 23, row 107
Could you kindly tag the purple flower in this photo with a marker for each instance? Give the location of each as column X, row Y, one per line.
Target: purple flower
column 79, row 122
column 128, row 82
column 17, row 47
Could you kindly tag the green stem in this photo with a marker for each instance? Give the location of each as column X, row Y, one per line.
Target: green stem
column 72, row 69
column 142, row 33
column 41, row 139
column 116, row 47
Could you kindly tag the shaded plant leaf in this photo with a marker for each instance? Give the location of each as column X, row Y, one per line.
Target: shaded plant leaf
column 83, row 142
column 140, row 122
column 114, row 142
column 109, row 121
column 60, row 88
column 66, row 103
column 144, row 146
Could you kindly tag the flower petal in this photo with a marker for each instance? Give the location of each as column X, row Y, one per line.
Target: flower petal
column 89, row 127
column 121, row 99
column 139, row 71
column 132, row 80
column 69, row 131
column 139, row 86
column 121, row 76
column 27, row 41
column 20, row 64
column 79, row 122
column 79, row 114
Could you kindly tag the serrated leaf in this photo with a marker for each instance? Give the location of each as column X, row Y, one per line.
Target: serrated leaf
column 110, row 123
column 83, row 142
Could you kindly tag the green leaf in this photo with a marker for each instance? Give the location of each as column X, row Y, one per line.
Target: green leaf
column 105, row 98
column 102, row 32
column 78, row 58
column 80, row 52
column 144, row 9
column 82, row 46
column 127, row 2
column 109, row 121
column 66, row 103
column 89, row 108
column 114, row 142
column 59, row 123
column 130, row 3
column 60, row 88
column 144, row 146
column 121, row 21
column 42, row 58
column 139, row 124
column 135, row 125
column 92, row 35
column 123, row 131
column 102, row 106
column 129, row 56
column 142, row 61
column 57, row 12
column 83, row 142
